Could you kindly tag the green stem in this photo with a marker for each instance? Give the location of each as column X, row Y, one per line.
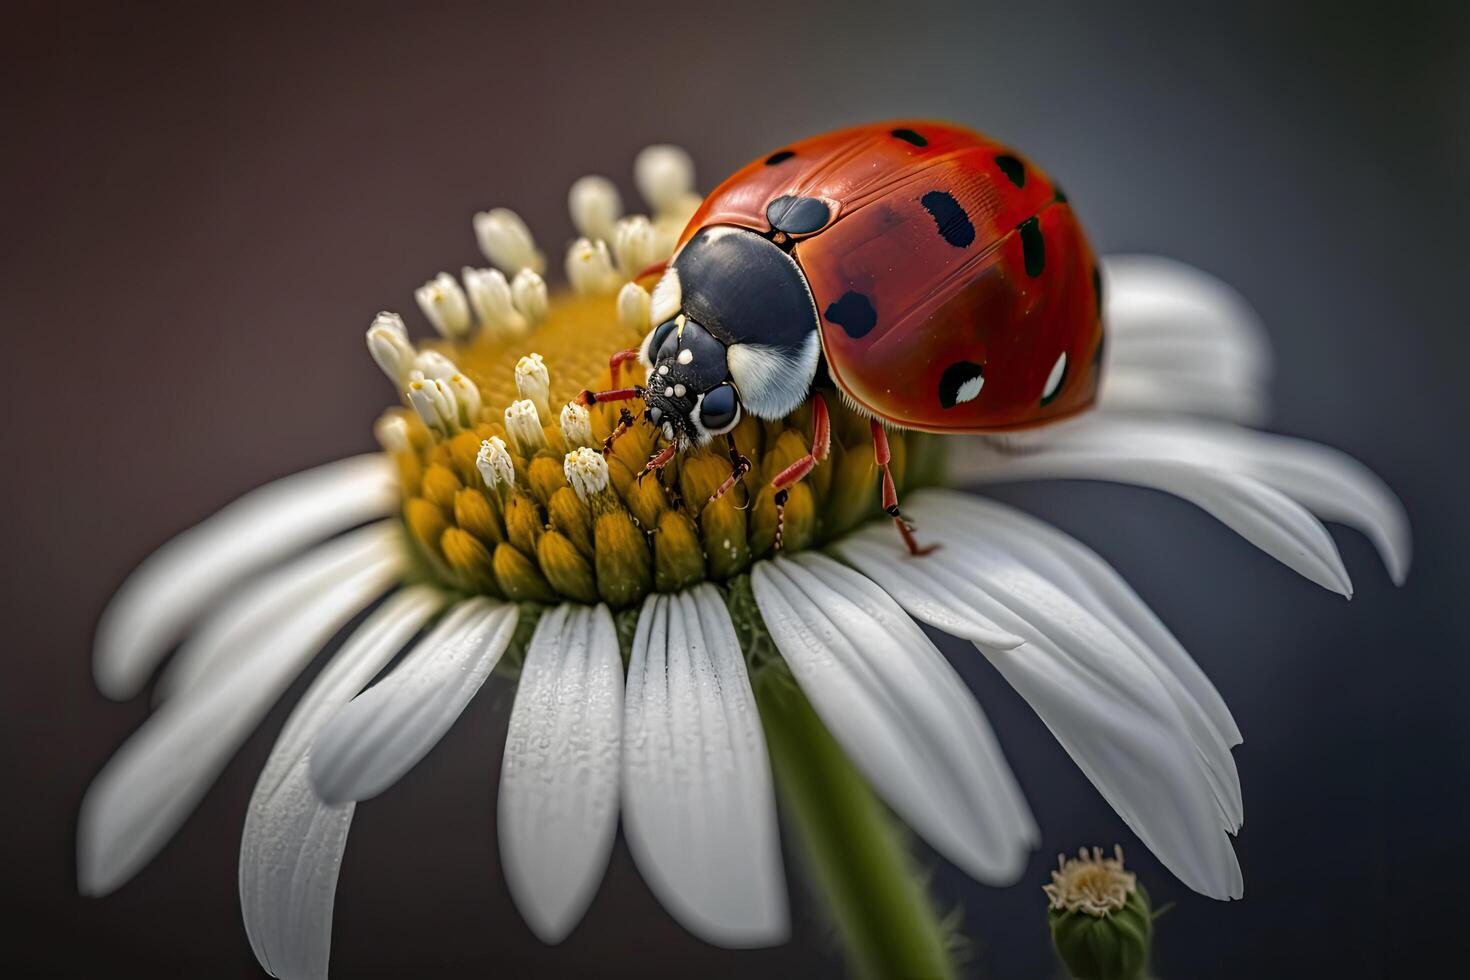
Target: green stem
column 855, row 850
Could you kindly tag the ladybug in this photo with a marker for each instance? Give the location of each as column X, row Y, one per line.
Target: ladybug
column 934, row 278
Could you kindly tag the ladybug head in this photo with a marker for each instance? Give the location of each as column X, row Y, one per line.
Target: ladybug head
column 735, row 331
column 689, row 392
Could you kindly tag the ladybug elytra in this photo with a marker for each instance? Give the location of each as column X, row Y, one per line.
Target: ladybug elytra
column 941, row 279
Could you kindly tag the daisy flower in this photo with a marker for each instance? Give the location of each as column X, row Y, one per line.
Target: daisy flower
column 675, row 666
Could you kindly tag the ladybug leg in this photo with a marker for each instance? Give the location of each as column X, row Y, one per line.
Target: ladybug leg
column 616, row 362
column 821, row 446
column 882, row 455
column 739, row 466
column 658, row 461
column 589, row 397
column 625, row 422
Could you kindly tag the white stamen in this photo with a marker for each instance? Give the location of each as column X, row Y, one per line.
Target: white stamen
column 533, row 382
column 467, row 396
column 685, row 356
column 432, row 364
column 528, row 292
column 507, row 242
column 633, row 303
column 391, row 431
column 445, row 306
column 668, row 297
column 523, row 428
column 436, row 405
column 495, row 464
column 387, row 341
column 590, row 267
column 665, row 177
column 491, row 297
column 633, row 245
column 586, row 471
column 595, row 205
column 679, row 391
column 576, row 426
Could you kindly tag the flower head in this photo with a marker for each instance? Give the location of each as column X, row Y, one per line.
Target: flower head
column 508, row 523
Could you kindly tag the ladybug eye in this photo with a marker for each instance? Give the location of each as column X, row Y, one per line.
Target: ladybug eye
column 719, row 410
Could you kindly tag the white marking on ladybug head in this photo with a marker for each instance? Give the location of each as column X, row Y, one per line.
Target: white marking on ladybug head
column 663, row 369
column 679, row 391
column 686, row 356
column 668, row 297
column 970, row 390
column 1053, row 380
column 668, row 392
column 773, row 381
column 668, row 431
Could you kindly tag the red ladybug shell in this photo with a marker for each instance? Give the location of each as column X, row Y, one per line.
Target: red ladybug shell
column 955, row 288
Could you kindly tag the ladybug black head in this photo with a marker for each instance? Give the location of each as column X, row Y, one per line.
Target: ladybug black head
column 736, row 331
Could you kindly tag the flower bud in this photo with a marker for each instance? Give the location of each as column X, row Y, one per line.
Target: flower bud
column 445, row 306
column 519, row 578
column 533, row 382
column 595, row 206
column 467, row 555
column 473, row 512
column 391, row 431
column 495, row 465
column 467, row 397
column 439, row 486
column 678, row 560
column 388, row 343
column 523, row 428
column 1101, row 923
column 435, row 404
column 570, row 517
column 633, row 245
column 633, row 307
column 425, row 521
column 664, row 176
column 528, row 292
column 624, row 565
column 523, row 526
column 586, row 473
column 576, row 426
column 490, row 295
column 566, row 568
column 590, row 267
column 507, row 242
column 432, row 364
column 546, row 476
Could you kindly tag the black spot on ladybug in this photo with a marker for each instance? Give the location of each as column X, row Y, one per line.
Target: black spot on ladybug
column 954, row 223
column 854, row 313
column 1012, row 168
column 1033, row 247
column 780, row 156
column 909, row 136
column 959, row 383
column 797, row 215
column 1097, row 296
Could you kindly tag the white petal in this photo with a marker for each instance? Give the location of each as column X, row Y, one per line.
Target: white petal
column 154, row 781
column 559, row 784
column 1105, row 703
column 1084, row 578
column 292, row 846
column 899, row 710
column 235, row 626
column 698, row 804
column 1104, row 447
column 382, row 733
column 163, row 595
column 1180, row 340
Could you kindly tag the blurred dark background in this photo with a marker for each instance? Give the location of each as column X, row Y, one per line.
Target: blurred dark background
column 205, row 204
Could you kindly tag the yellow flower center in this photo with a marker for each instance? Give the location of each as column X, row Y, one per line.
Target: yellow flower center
column 1091, row 883
column 507, row 522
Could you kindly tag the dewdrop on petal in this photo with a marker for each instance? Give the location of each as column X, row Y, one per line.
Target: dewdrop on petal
column 528, row 292
column 507, row 242
column 534, row 384
column 634, row 246
column 576, row 426
column 445, row 306
column 495, row 465
column 490, row 295
column 590, row 267
column 595, row 206
column 665, row 176
column 523, row 428
column 387, row 341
